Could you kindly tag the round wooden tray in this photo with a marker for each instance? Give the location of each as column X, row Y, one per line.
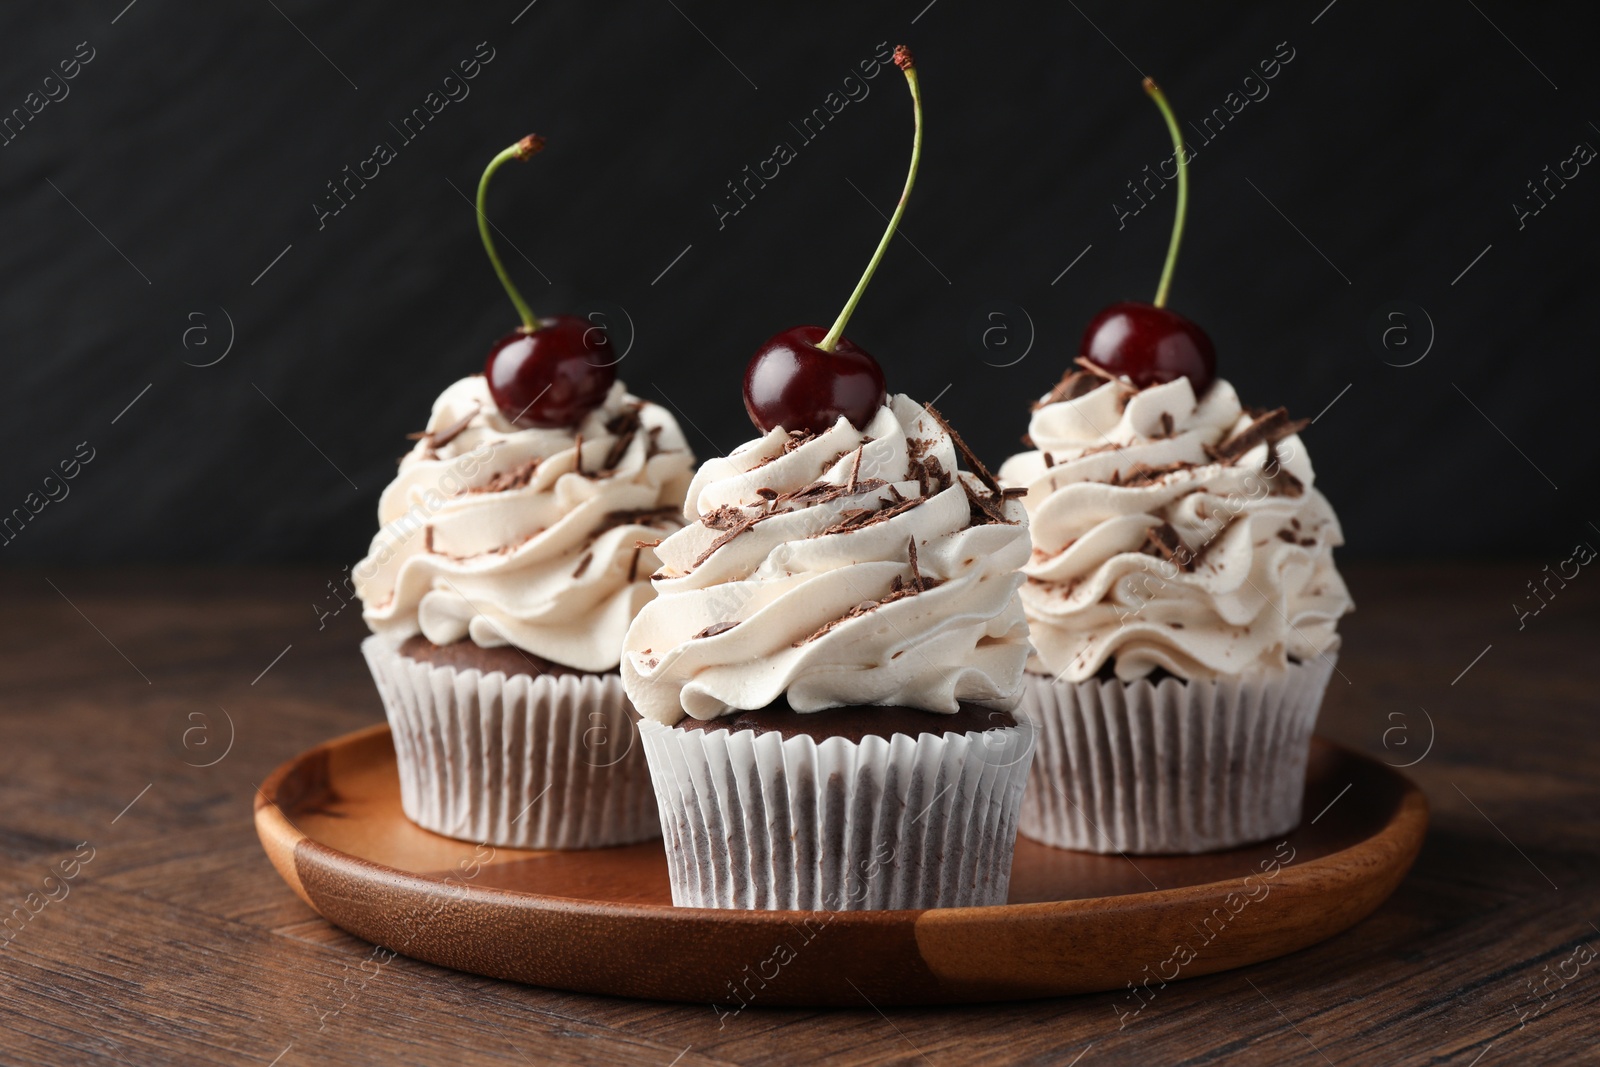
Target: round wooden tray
column 601, row 921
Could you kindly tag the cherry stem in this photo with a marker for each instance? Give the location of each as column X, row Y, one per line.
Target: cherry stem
column 902, row 58
column 520, row 151
column 1179, row 156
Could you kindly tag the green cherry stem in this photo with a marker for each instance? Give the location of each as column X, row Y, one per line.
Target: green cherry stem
column 902, row 59
column 1179, row 156
column 520, row 151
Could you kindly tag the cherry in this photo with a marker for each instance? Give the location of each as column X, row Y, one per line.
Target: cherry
column 1147, row 343
column 794, row 383
column 805, row 378
column 1150, row 345
column 552, row 376
column 549, row 372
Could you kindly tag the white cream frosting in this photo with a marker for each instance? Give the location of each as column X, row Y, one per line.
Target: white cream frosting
column 1250, row 581
column 507, row 536
column 780, row 589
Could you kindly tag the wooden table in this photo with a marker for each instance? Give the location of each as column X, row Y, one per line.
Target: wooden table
column 173, row 941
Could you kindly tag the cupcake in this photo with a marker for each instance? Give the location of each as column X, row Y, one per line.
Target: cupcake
column 506, row 571
column 827, row 672
column 1181, row 594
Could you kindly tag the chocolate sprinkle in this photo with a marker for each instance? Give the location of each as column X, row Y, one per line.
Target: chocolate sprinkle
column 714, row 629
column 583, row 564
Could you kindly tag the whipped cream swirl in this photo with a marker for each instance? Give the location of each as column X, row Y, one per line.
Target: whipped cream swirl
column 526, row 537
column 844, row 568
column 1174, row 533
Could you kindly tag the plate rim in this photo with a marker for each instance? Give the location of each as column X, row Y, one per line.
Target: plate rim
column 1403, row 833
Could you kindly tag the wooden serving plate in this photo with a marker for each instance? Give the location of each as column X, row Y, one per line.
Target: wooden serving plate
column 601, row 921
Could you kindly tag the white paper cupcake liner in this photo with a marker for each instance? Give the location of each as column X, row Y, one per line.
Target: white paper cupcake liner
column 521, row 762
column 759, row 821
column 1171, row 767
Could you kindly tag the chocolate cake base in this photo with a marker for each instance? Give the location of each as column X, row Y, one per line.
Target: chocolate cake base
column 466, row 655
column 855, row 722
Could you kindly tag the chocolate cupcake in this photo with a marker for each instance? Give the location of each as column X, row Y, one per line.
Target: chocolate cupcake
column 827, row 673
column 498, row 589
column 1182, row 599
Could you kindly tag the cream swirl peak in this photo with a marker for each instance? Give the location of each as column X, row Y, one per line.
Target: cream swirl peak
column 527, row 537
column 841, row 568
column 1172, row 532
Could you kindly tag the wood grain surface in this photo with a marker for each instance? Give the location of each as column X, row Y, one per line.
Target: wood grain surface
column 146, row 926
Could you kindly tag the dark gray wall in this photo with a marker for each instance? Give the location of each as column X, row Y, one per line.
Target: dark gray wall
column 189, row 153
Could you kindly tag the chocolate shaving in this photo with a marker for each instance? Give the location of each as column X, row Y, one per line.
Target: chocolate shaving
column 916, row 575
column 929, row 472
column 577, row 454
column 855, row 471
column 723, row 517
column 1143, row 474
column 1097, row 370
column 714, row 629
column 1268, row 428
column 427, row 539
column 1014, row 492
column 633, row 564
column 440, row 438
column 985, row 506
column 1165, row 540
column 855, row 520
column 796, row 439
column 1287, row 534
column 733, row 531
column 1167, row 425
column 657, row 517
column 623, row 426
column 1286, row 484
column 824, row 492
column 1073, row 384
column 517, row 477
column 974, row 464
column 1049, row 461
column 766, row 494
column 899, row 592
column 583, row 564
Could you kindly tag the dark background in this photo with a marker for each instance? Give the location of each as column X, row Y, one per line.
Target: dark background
column 198, row 138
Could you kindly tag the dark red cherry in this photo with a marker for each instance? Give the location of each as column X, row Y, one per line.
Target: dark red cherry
column 553, row 376
column 1150, row 345
column 792, row 383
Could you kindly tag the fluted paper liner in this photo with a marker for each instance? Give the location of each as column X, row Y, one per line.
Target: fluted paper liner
column 1171, row 767
column 759, row 821
column 549, row 761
